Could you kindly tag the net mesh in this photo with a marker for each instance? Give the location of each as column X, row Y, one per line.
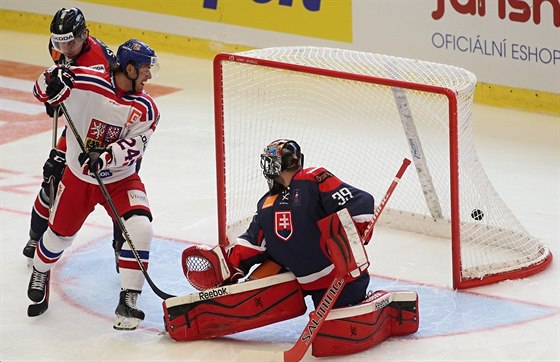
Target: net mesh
column 338, row 106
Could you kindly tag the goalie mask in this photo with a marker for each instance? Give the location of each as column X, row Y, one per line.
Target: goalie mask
column 68, row 31
column 278, row 156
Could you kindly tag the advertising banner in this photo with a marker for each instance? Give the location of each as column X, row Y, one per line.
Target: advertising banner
column 313, row 18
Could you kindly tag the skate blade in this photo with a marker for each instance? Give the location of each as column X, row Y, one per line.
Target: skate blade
column 29, row 262
column 125, row 324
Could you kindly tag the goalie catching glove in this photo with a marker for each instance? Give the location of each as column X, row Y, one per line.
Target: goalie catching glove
column 95, row 160
column 207, row 268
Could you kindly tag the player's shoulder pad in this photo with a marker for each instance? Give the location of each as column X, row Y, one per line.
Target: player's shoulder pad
column 263, row 197
column 88, row 75
column 145, row 98
column 97, row 41
column 93, row 40
column 315, row 174
column 146, row 104
column 85, row 70
column 99, row 45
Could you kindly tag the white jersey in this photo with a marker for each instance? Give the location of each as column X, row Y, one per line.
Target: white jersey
column 106, row 117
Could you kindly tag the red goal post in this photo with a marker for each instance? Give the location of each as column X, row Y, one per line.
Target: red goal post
column 358, row 114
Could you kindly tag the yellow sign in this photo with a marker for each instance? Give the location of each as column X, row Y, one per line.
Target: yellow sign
column 325, row 19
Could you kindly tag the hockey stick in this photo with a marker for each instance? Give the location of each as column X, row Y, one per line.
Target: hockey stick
column 415, row 146
column 51, row 178
column 36, row 309
column 116, row 215
column 319, row 315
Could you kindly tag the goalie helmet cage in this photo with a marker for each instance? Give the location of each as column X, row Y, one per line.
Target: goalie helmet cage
column 359, row 114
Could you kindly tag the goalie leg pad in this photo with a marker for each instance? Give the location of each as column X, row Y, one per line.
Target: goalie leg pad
column 358, row 328
column 233, row 308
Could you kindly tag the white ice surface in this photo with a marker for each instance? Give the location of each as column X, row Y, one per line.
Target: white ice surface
column 511, row 321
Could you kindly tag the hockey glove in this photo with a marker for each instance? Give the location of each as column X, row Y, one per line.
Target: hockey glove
column 50, row 109
column 60, row 82
column 53, row 168
column 95, row 160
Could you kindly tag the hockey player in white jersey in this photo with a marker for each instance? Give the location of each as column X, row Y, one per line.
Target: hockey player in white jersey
column 115, row 118
column 70, row 44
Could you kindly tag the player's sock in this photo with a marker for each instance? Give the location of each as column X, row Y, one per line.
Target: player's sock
column 117, row 245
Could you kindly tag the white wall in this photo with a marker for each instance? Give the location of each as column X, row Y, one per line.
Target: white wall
column 519, row 53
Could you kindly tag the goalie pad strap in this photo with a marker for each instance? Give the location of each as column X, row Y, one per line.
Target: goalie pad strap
column 224, row 266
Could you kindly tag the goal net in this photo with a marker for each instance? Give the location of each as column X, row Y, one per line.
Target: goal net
column 358, row 115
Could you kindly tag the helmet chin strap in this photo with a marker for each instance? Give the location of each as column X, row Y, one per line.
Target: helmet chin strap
column 133, row 80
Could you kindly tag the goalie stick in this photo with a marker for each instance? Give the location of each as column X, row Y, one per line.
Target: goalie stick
column 51, row 177
column 394, row 183
column 118, row 219
column 319, row 315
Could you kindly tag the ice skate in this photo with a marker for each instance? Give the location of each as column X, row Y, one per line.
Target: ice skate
column 37, row 286
column 29, row 250
column 128, row 314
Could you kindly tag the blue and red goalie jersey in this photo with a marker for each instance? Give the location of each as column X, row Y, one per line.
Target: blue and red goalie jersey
column 285, row 229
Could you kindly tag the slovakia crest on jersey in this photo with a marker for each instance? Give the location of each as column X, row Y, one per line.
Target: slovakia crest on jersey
column 283, row 224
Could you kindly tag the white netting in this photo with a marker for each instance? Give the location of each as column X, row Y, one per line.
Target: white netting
column 360, row 129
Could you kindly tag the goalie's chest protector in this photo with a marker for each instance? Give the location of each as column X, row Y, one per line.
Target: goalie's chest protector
column 289, row 223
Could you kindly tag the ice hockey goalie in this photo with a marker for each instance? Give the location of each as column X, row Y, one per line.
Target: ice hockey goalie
column 270, row 295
